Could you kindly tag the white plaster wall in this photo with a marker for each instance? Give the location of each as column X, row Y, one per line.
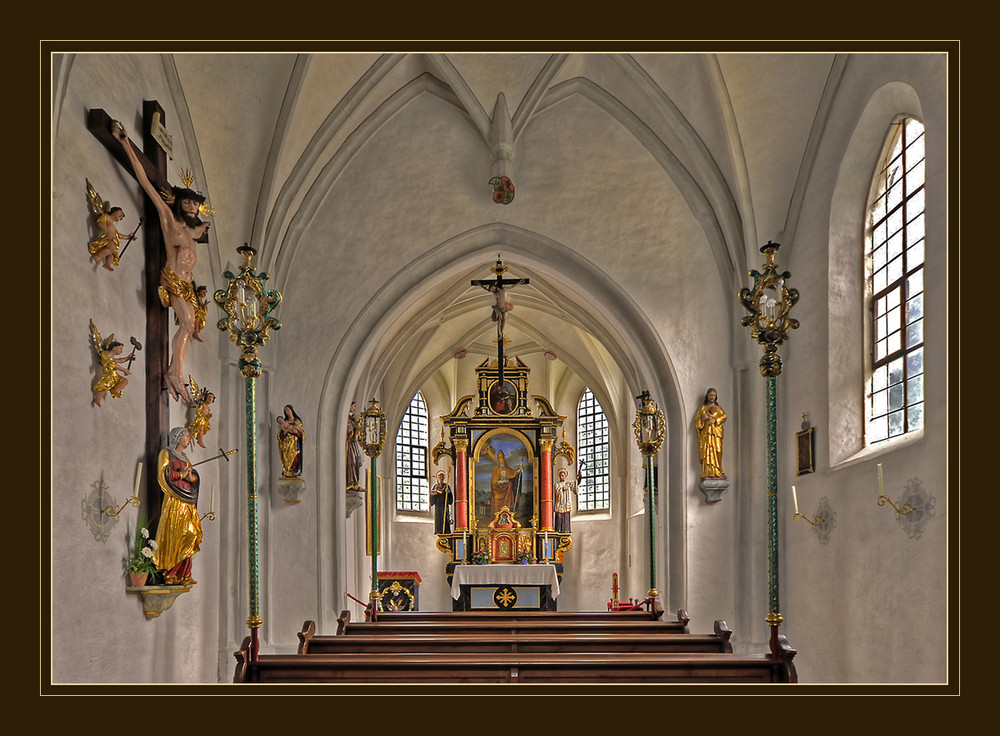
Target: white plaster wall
column 869, row 605
column 99, row 633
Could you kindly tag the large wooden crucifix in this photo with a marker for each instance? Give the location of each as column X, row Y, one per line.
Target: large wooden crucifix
column 498, row 288
column 153, row 160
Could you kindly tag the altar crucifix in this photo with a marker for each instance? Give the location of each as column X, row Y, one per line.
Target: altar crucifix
column 498, row 288
column 169, row 244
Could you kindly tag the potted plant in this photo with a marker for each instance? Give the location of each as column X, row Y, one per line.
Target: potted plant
column 523, row 558
column 139, row 563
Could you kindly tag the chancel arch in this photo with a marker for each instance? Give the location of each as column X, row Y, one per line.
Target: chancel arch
column 384, row 342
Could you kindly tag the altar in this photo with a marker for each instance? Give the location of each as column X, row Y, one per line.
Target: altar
column 501, row 587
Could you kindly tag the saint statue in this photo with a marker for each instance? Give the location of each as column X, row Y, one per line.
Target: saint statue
column 354, row 460
column 178, row 536
column 291, row 433
column 442, row 498
column 708, row 421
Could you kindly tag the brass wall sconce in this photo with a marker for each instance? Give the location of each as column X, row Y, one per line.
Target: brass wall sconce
column 822, row 522
column 815, row 521
column 134, row 499
column 211, row 511
column 883, row 499
column 111, row 511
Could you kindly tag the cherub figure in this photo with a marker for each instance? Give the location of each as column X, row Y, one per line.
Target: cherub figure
column 201, row 399
column 105, row 247
column 201, row 311
column 112, row 374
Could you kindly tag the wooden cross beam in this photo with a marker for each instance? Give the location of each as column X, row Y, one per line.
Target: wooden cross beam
column 154, row 163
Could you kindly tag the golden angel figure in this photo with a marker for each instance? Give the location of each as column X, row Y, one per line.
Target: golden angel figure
column 112, row 374
column 201, row 399
column 105, row 247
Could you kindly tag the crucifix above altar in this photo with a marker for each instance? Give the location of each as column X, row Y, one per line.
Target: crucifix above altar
column 498, row 286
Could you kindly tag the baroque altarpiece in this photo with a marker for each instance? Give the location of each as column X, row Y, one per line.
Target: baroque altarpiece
column 505, row 445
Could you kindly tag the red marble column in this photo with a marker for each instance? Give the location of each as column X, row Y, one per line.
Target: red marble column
column 545, row 485
column 461, row 485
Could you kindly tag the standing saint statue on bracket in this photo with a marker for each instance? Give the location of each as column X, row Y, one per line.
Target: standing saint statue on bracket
column 708, row 422
column 564, row 492
column 354, row 461
column 179, row 534
column 291, row 433
column 442, row 501
column 182, row 230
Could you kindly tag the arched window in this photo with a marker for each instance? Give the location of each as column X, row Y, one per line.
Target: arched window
column 412, row 489
column 593, row 449
column 894, row 397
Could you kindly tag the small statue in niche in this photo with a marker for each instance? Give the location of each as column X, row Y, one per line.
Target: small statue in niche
column 442, row 500
column 112, row 379
column 708, row 421
column 291, row 433
column 564, row 492
column 179, row 534
column 201, row 399
column 105, row 247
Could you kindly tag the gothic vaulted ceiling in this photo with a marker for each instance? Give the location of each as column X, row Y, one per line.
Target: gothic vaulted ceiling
column 654, row 170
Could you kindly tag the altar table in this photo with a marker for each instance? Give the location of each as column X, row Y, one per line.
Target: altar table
column 504, row 587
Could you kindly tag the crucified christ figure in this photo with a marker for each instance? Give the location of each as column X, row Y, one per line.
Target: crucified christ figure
column 498, row 288
column 182, row 231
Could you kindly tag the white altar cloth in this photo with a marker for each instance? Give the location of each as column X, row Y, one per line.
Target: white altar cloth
column 501, row 574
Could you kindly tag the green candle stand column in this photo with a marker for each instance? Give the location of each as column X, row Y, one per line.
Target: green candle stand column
column 768, row 301
column 248, row 306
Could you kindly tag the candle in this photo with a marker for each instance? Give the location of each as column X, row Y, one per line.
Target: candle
column 880, row 490
column 212, row 507
column 138, row 474
column 795, row 500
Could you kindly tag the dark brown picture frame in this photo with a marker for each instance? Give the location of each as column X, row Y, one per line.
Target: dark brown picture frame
column 805, row 442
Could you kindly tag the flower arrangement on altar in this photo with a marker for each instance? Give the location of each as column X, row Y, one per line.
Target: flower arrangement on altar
column 482, row 557
column 140, row 561
column 523, row 558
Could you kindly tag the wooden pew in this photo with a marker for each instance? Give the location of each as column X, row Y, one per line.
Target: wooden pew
column 517, row 667
column 546, row 647
column 573, row 616
column 535, row 641
column 493, row 624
